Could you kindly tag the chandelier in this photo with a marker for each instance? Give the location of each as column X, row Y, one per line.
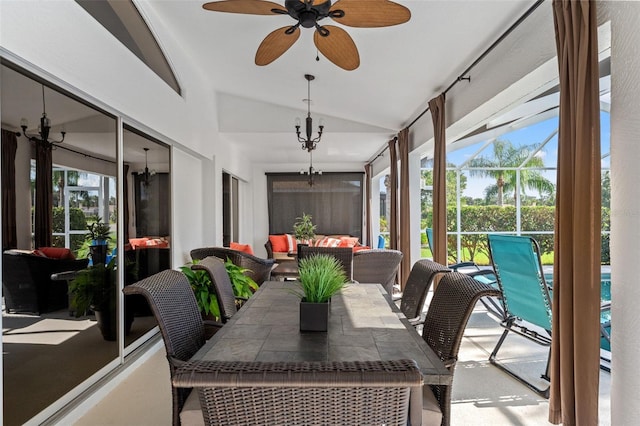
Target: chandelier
column 146, row 174
column 43, row 129
column 308, row 143
column 311, row 170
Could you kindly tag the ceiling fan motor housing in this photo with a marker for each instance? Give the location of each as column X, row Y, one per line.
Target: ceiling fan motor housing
column 306, row 13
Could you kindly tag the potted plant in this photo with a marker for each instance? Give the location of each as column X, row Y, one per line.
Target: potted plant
column 320, row 277
column 304, row 229
column 99, row 234
column 94, row 289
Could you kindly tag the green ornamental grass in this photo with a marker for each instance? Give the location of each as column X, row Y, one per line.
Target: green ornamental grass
column 321, row 276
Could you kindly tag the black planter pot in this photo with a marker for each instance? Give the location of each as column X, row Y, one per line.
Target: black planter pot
column 98, row 254
column 108, row 324
column 314, row 316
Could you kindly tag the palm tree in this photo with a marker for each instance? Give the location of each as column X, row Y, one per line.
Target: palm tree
column 506, row 155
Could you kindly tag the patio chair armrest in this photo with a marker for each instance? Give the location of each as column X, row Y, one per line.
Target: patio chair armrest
column 457, row 266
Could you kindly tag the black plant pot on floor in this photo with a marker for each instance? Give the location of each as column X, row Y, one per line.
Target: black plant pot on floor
column 108, row 324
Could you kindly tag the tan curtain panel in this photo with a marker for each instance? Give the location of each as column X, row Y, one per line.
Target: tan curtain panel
column 436, row 106
column 405, row 207
column 9, row 148
column 367, row 178
column 43, row 221
column 576, row 294
column 392, row 222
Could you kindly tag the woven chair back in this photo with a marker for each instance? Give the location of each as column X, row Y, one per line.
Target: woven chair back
column 377, row 266
column 221, row 283
column 418, row 284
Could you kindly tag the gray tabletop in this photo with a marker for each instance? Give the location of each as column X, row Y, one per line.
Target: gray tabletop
column 364, row 324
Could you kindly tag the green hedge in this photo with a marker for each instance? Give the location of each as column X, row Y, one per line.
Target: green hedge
column 77, row 220
column 488, row 219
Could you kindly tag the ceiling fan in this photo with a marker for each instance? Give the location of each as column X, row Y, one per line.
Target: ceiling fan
column 332, row 41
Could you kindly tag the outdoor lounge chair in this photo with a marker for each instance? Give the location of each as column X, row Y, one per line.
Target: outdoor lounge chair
column 183, row 331
column 449, row 310
column 258, row 269
column 526, row 296
column 379, row 266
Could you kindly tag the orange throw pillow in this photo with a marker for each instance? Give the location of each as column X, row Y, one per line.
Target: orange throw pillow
column 57, row 252
column 245, row 248
column 278, row 243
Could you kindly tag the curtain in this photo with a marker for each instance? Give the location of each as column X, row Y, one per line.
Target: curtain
column 405, row 210
column 436, row 106
column 125, row 203
column 334, row 202
column 43, row 221
column 9, row 148
column 576, row 276
column 367, row 177
column 392, row 222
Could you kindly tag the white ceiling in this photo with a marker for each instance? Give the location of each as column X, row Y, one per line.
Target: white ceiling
column 401, row 68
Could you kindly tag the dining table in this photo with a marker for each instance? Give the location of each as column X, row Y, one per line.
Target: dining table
column 364, row 324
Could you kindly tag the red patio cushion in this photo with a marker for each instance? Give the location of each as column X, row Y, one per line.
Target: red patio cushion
column 278, row 243
column 245, row 248
column 57, row 252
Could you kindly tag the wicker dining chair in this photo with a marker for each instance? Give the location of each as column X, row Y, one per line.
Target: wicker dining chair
column 447, row 316
column 221, row 284
column 302, row 393
column 257, row 268
column 183, row 331
column 377, row 266
column 418, row 284
column 343, row 254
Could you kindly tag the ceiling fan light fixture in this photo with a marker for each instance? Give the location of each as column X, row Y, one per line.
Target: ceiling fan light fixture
column 333, row 42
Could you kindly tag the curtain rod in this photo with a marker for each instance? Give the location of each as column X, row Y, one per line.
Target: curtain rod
column 379, row 154
column 83, row 154
column 484, row 54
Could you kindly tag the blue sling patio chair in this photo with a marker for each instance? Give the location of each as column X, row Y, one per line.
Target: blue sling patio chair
column 526, row 296
column 486, row 276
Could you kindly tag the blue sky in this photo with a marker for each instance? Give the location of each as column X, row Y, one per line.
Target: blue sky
column 533, row 134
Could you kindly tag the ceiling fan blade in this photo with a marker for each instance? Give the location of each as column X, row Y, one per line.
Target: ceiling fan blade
column 338, row 47
column 316, row 2
column 275, row 44
column 370, row 13
column 250, row 7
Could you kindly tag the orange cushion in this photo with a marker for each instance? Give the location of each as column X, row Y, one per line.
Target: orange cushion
column 245, row 248
column 358, row 248
column 278, row 242
column 348, row 241
column 155, row 242
column 138, row 242
column 57, row 252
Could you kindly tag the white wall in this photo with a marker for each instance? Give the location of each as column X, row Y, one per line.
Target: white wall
column 625, row 209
